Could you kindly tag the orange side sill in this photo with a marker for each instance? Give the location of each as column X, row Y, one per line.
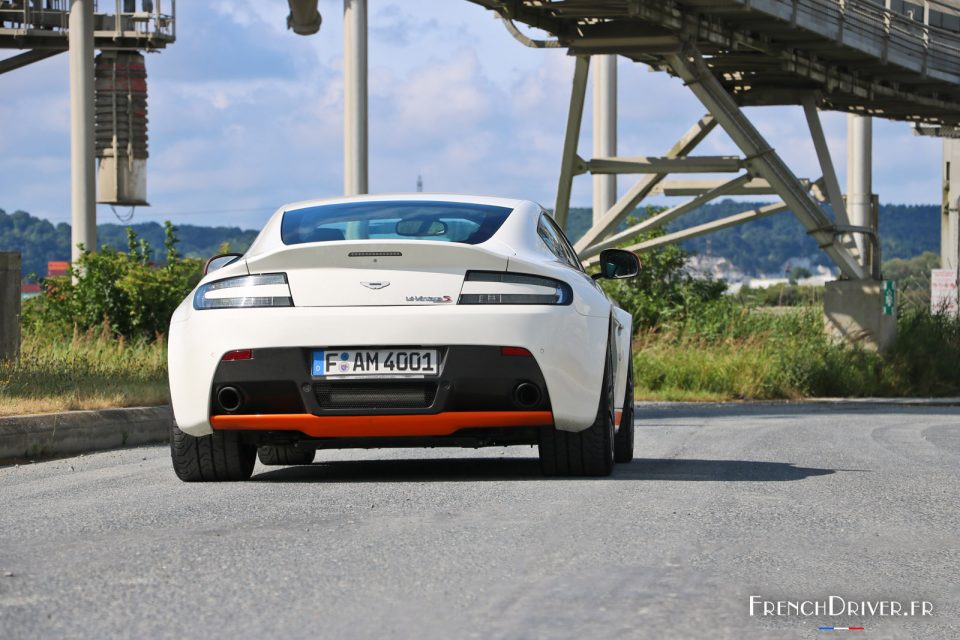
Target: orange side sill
column 439, row 424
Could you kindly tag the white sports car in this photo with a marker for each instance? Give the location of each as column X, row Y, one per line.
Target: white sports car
column 402, row 321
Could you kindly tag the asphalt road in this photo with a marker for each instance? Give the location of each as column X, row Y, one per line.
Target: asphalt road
column 792, row 503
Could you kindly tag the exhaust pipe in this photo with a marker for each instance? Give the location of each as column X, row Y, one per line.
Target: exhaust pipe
column 229, row 399
column 527, row 395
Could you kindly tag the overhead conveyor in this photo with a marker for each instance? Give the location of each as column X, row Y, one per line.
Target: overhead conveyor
column 857, row 56
column 879, row 58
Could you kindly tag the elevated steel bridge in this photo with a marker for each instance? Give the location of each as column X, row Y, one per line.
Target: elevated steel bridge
column 870, row 58
column 860, row 56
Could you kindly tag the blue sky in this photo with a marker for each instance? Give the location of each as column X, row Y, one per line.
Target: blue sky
column 245, row 116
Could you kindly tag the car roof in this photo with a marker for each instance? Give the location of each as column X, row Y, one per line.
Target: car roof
column 511, row 203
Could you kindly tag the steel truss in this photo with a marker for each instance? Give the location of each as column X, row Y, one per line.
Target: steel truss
column 760, row 170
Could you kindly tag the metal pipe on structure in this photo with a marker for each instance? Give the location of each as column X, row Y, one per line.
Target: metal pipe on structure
column 82, row 150
column 860, row 181
column 604, row 131
column 578, row 95
column 304, row 18
column 354, row 97
column 950, row 215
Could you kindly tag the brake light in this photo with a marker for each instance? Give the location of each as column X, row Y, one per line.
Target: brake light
column 515, row 351
column 237, row 354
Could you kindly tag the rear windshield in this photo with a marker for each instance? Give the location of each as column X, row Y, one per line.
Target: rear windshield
column 440, row 221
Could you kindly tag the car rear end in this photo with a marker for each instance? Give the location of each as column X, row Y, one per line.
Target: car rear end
column 369, row 342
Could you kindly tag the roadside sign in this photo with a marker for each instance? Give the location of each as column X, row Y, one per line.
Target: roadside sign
column 943, row 291
column 889, row 297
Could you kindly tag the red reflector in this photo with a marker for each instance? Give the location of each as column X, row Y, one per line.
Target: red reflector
column 239, row 354
column 514, row 351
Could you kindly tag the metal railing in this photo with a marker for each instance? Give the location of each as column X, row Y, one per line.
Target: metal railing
column 141, row 19
column 891, row 35
column 149, row 21
column 34, row 14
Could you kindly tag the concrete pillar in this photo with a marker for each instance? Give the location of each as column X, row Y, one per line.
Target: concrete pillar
column 949, row 223
column 9, row 305
column 354, row 97
column 83, row 186
column 861, row 312
column 604, row 130
column 860, row 181
column 855, row 311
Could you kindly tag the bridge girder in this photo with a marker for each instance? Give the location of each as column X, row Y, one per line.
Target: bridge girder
column 853, row 56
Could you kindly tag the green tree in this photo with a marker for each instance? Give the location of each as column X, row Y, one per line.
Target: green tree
column 121, row 291
column 663, row 292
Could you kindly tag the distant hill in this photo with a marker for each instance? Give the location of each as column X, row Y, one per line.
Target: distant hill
column 39, row 241
column 758, row 247
column 763, row 246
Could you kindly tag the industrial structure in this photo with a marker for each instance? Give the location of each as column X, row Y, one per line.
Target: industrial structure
column 891, row 59
column 108, row 95
column 869, row 58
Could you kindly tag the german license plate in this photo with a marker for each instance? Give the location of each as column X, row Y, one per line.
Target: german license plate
column 380, row 362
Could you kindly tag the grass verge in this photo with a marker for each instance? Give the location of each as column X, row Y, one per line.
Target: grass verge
column 83, row 371
column 728, row 352
column 721, row 351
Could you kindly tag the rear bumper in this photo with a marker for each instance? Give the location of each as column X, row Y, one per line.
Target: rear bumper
column 568, row 350
column 470, row 379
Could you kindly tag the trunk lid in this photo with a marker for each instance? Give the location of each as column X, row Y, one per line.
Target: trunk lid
column 377, row 273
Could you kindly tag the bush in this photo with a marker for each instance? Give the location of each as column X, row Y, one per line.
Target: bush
column 663, row 292
column 122, row 291
column 727, row 351
column 926, row 354
column 913, row 279
column 734, row 352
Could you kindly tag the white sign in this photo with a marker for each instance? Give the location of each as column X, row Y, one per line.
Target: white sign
column 943, row 291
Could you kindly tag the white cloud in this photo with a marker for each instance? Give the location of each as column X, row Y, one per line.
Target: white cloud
column 246, row 115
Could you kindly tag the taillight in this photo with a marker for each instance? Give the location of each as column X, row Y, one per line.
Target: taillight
column 237, row 354
column 266, row 290
column 500, row 287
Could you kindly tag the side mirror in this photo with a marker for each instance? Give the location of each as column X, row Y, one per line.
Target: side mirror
column 616, row 264
column 220, row 261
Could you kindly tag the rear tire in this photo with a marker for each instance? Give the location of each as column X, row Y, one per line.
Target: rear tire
column 285, row 455
column 588, row 452
column 219, row 457
column 623, row 442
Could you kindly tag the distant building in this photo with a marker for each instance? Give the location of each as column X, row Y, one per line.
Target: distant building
column 29, row 289
column 58, row 268
column 706, row 266
column 54, row 268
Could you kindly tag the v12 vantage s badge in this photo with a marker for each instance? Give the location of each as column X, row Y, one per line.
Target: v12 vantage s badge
column 433, row 299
